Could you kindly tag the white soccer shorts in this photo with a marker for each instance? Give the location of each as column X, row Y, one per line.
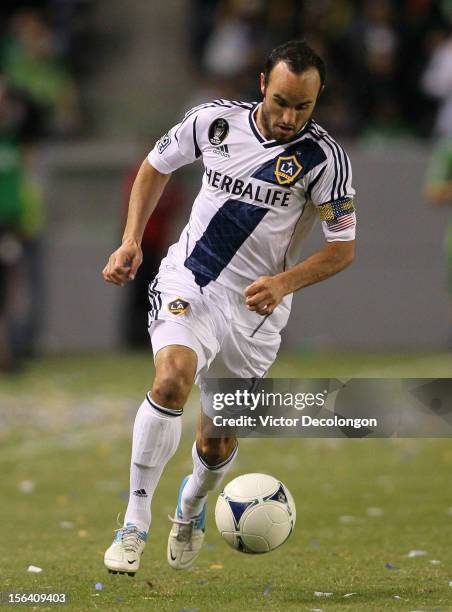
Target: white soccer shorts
column 214, row 323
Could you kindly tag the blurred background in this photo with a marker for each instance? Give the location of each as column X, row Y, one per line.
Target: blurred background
column 85, row 90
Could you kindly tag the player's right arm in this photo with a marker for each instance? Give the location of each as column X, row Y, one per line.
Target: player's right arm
column 146, row 191
column 176, row 148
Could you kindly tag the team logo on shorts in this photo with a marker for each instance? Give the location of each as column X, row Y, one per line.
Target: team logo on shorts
column 178, row 306
column 287, row 169
column 218, row 131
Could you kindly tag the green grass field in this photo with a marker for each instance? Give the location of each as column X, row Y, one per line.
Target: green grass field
column 362, row 505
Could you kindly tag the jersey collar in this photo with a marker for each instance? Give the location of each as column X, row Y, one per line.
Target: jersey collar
column 272, row 143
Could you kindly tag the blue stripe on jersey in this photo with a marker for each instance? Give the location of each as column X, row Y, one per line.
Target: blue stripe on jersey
column 220, row 102
column 232, row 103
column 314, row 182
column 155, row 300
column 214, row 104
column 253, row 126
column 308, row 153
column 228, row 229
column 341, row 177
column 336, row 163
column 195, row 140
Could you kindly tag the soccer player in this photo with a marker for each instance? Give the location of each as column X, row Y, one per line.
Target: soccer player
column 223, row 292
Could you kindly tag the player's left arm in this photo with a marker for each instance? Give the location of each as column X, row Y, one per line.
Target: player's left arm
column 264, row 295
column 330, row 190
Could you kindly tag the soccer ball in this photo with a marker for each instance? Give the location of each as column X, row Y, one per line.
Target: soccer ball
column 255, row 513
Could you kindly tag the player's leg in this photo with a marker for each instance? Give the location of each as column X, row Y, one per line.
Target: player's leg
column 157, row 428
column 212, row 459
column 156, row 436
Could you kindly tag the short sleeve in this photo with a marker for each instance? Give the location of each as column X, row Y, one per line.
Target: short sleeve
column 333, row 195
column 178, row 147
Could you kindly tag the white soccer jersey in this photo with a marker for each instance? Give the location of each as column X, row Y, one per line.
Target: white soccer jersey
column 258, row 198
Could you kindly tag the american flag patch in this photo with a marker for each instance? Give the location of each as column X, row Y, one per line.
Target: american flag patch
column 338, row 215
column 341, row 224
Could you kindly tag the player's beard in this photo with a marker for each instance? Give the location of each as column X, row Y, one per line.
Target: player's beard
column 267, row 125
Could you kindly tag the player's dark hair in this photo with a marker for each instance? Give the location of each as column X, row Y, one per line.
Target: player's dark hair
column 299, row 56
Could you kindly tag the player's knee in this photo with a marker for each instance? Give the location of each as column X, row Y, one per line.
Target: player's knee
column 170, row 391
column 215, row 450
column 175, row 373
column 171, row 388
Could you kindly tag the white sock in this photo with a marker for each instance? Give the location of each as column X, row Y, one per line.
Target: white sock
column 205, row 478
column 156, row 435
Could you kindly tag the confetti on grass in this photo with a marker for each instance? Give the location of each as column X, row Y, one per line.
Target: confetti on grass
column 268, row 588
column 26, row 486
column 33, row 569
column 347, row 519
column 350, row 594
column 314, row 542
column 67, row 525
column 390, row 566
column 98, row 586
column 435, row 561
column 374, row 512
column 322, row 594
column 216, row 566
column 416, row 553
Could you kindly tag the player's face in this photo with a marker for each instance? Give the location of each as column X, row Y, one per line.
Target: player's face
column 289, row 101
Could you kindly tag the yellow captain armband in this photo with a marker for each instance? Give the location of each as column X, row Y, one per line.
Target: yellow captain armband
column 331, row 211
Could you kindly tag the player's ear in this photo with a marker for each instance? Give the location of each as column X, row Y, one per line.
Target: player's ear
column 262, row 83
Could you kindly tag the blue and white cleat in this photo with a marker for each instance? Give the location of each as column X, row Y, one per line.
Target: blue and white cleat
column 125, row 552
column 186, row 536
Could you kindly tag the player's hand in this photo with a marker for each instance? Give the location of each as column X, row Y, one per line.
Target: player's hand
column 264, row 295
column 123, row 264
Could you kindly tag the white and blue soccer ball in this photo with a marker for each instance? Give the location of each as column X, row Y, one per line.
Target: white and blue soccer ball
column 255, row 513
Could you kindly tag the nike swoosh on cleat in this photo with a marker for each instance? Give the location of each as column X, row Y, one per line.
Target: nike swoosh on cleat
column 130, row 562
column 171, row 554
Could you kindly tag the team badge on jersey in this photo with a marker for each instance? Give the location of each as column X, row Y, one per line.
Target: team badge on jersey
column 178, row 306
column 218, row 131
column 164, row 142
column 287, row 169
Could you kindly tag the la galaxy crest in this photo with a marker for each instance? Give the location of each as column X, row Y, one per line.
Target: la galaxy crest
column 287, row 169
column 178, row 306
column 218, row 131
